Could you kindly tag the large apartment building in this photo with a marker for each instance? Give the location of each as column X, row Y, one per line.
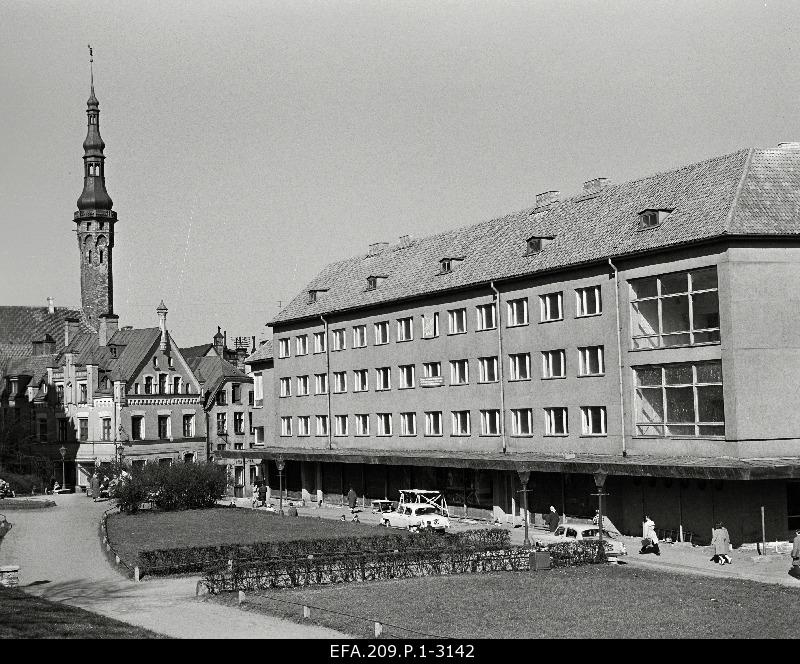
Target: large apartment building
column 643, row 329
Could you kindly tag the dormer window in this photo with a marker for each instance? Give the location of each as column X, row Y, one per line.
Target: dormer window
column 449, row 264
column 373, row 282
column 534, row 244
column 652, row 217
column 313, row 292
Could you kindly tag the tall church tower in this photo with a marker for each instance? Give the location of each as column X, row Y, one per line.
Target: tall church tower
column 95, row 220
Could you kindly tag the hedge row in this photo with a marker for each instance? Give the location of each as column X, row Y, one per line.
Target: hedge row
column 196, row 559
column 579, row 552
column 178, row 486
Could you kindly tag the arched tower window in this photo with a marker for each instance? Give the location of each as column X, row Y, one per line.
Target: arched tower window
column 100, row 246
column 90, row 256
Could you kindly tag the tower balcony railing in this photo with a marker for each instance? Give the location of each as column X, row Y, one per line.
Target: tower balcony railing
column 90, row 214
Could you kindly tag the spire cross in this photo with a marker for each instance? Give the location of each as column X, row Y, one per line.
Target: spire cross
column 91, row 66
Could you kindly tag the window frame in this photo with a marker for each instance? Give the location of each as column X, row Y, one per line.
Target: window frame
column 285, row 382
column 338, row 339
column 454, row 367
column 405, row 329
column 480, row 313
column 380, row 385
column 301, row 345
column 513, row 371
column 586, row 421
column 381, row 325
column 486, row 414
column 483, row 362
column 405, row 418
column 517, row 417
column 431, row 417
column 455, row 422
column 320, row 342
column 512, row 319
column 584, row 362
column 550, row 420
column 406, row 384
column 362, row 424
column 286, row 426
column 581, row 300
column 548, row 364
column 284, row 348
column 383, row 418
column 303, row 386
column 359, row 335
column 453, row 317
column 545, row 308
column 320, row 383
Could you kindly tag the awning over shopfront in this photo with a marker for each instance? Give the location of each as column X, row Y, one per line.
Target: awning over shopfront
column 711, row 468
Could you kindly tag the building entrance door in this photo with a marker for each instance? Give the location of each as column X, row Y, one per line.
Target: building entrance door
column 793, row 504
column 238, row 482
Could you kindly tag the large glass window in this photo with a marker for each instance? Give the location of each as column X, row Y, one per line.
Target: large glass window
column 553, row 364
column 520, row 365
column 360, row 380
column 459, row 372
column 490, row 422
column 487, row 369
column 457, row 320
column 359, row 336
column 486, row 316
column 680, row 400
column 381, row 333
column 518, row 312
column 679, row 309
column 405, row 329
column 319, row 342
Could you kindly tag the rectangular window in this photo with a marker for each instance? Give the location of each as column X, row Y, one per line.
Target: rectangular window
column 522, row 422
column 286, row 387
column 432, row 370
column 286, row 426
column 553, row 364
column 62, row 430
column 520, row 366
column 406, row 376
column 383, row 378
column 322, row 425
column 359, row 336
column 176, row 383
column 593, row 420
column 555, row 422
column 457, row 320
column 433, row 423
column 148, row 384
column 360, row 380
column 679, row 309
column 588, row 302
column 82, row 397
column 338, row 340
column 41, row 430
column 680, row 400
column 341, row 422
column 339, row 382
column 188, row 426
column 551, row 307
column 381, row 333
column 222, row 424
column 106, row 428
column 362, row 424
column 302, row 386
column 163, row 427
column 258, row 389
column 459, row 372
column 405, row 329
column 487, row 316
column 238, row 423
column 518, row 312
column 302, row 344
column 430, row 325
column 303, row 425
column 319, row 342
column 460, row 423
column 490, row 422
column 137, row 427
column 236, row 393
column 222, row 397
column 487, row 369
column 408, row 424
column 83, row 429
column 591, row 360
column 283, row 348
column 384, row 424
column 321, row 383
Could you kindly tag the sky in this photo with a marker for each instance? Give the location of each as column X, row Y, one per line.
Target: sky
column 249, row 143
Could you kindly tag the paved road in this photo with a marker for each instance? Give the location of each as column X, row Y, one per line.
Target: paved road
column 61, row 559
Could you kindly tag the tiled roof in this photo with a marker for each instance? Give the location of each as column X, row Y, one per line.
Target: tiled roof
column 196, row 351
column 749, row 191
column 263, row 352
column 214, row 372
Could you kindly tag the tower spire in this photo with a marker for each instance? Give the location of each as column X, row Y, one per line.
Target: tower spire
column 91, row 71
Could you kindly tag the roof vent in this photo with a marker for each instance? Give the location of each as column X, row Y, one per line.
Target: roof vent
column 789, row 145
column 595, row 186
column 377, row 247
column 448, row 264
column 405, row 241
column 547, row 198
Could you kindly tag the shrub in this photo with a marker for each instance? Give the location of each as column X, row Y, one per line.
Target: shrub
column 174, row 487
column 22, row 484
column 579, row 552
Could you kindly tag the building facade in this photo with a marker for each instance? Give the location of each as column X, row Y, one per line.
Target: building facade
column 635, row 329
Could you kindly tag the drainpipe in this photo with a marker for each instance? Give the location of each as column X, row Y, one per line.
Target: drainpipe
column 501, row 365
column 619, row 357
column 328, row 381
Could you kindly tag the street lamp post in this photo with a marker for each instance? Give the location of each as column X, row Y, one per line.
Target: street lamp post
column 120, row 451
column 63, row 451
column 599, row 482
column 281, row 465
column 524, row 476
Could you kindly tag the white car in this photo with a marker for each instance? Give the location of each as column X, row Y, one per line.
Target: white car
column 568, row 532
column 414, row 516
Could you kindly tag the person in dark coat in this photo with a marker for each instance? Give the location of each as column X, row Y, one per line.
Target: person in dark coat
column 552, row 519
column 95, row 487
column 795, row 569
column 262, row 494
column 720, row 544
column 352, row 498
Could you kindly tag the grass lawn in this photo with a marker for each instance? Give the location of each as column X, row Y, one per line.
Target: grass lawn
column 588, row 602
column 23, row 616
column 131, row 533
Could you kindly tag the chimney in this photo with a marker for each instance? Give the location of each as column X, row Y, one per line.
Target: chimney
column 595, row 186
column 224, row 342
column 546, row 198
column 377, row 247
column 109, row 324
column 51, row 305
column 71, row 328
column 789, row 145
column 219, row 341
column 254, row 345
column 162, row 323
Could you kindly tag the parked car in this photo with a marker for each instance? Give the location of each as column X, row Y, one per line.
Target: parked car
column 568, row 532
column 382, row 506
column 414, row 516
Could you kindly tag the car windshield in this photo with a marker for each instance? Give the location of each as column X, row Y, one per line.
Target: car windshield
column 426, row 510
column 592, row 533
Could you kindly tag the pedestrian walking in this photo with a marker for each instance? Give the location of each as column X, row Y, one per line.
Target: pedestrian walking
column 650, row 539
column 255, row 494
column 95, row 486
column 262, row 493
column 552, row 519
column 795, row 569
column 720, row 544
column 352, row 498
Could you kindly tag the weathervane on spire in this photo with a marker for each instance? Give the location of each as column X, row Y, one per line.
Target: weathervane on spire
column 91, row 66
